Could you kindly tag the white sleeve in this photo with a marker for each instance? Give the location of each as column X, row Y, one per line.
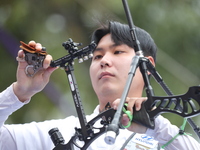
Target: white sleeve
column 8, row 104
column 164, row 131
column 30, row 136
column 34, row 135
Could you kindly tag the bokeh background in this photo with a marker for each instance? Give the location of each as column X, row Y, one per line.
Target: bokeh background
column 173, row 24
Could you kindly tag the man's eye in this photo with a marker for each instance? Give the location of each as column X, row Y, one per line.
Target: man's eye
column 118, row 52
column 97, row 57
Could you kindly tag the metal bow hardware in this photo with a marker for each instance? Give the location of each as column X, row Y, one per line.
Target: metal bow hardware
column 186, row 105
column 33, row 57
column 74, row 53
column 154, row 105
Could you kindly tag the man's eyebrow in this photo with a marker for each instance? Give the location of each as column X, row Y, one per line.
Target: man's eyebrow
column 100, row 48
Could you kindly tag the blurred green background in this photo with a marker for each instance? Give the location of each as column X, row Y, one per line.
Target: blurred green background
column 173, row 24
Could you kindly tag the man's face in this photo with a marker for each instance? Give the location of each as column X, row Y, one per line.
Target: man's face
column 109, row 70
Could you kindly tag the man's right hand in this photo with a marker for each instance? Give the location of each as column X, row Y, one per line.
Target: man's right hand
column 25, row 87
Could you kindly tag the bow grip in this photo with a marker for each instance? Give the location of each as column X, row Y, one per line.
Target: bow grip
column 142, row 117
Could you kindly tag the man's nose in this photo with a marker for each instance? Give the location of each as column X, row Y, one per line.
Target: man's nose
column 105, row 61
column 104, row 64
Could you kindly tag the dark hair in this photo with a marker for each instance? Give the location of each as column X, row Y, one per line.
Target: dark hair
column 120, row 34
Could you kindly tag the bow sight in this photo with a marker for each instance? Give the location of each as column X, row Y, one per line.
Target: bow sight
column 74, row 53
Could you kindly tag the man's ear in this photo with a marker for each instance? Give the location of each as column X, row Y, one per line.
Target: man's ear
column 152, row 62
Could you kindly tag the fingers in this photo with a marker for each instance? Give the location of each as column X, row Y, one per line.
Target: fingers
column 20, row 56
column 48, row 57
column 37, row 46
column 45, row 67
column 47, row 61
column 32, row 43
column 131, row 102
column 135, row 101
column 125, row 121
column 21, row 60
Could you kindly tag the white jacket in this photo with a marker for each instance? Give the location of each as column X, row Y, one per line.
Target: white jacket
column 34, row 136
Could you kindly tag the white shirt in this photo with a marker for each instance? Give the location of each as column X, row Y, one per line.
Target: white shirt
column 34, row 136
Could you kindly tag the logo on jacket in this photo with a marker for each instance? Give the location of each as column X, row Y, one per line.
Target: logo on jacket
column 146, row 137
column 145, row 140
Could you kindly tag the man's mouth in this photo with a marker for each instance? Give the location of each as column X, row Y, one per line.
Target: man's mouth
column 105, row 74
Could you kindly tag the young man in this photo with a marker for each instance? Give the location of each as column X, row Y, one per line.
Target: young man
column 108, row 71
